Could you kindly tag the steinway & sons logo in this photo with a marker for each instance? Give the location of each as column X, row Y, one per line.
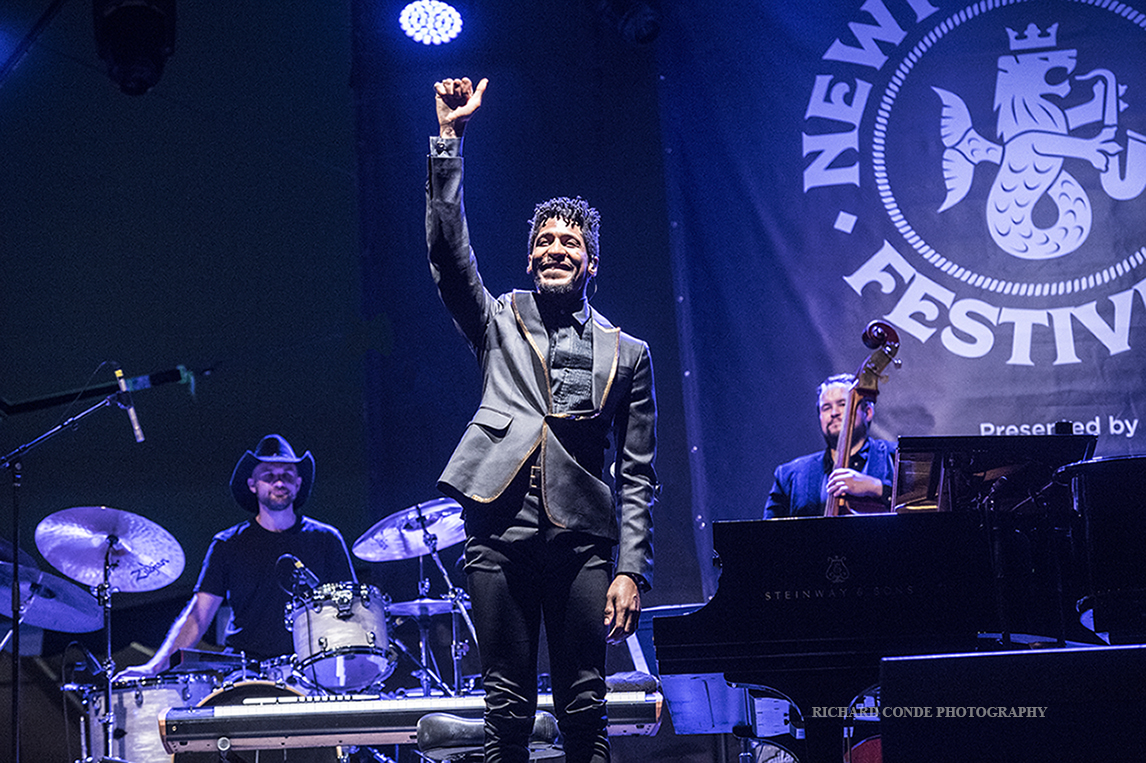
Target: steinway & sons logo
column 1003, row 162
column 837, row 573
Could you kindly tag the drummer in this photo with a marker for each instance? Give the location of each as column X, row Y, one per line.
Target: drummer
column 244, row 564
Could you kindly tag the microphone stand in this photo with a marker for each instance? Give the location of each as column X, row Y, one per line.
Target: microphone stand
column 11, row 462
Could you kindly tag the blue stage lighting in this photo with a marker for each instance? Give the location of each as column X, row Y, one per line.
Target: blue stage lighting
column 430, row 21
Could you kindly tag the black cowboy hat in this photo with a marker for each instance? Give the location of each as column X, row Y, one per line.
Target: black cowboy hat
column 272, row 449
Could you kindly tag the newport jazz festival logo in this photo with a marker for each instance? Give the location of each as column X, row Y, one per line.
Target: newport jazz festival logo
column 1005, row 172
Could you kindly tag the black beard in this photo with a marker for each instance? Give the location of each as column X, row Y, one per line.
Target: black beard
column 544, row 287
column 833, row 440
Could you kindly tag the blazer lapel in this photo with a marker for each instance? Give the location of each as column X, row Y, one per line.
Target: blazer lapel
column 529, row 321
column 606, row 355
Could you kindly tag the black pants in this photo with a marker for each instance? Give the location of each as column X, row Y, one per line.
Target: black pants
column 564, row 578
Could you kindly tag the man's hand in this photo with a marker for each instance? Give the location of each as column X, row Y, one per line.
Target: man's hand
column 146, row 670
column 456, row 101
column 622, row 609
column 851, row 482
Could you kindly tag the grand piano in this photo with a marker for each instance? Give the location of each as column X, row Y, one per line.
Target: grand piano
column 806, row 608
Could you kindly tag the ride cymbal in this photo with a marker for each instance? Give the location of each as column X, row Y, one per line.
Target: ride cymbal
column 143, row 556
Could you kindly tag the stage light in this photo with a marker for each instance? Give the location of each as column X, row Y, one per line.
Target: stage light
column 430, row 22
column 135, row 37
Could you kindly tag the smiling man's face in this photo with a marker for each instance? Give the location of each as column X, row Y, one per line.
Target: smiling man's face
column 275, row 485
column 558, row 261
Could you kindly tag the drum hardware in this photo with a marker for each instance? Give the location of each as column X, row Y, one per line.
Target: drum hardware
column 420, row 531
column 426, row 675
column 110, row 550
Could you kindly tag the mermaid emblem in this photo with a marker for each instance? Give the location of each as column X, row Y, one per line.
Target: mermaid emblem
column 1037, row 138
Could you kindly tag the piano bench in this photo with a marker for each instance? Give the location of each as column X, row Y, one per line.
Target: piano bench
column 445, row 737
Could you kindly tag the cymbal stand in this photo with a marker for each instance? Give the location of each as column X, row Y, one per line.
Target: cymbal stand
column 428, row 676
column 103, row 595
column 20, row 606
column 11, row 461
column 429, row 663
column 457, row 599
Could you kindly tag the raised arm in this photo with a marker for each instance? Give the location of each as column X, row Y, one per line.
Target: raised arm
column 452, row 262
column 456, row 101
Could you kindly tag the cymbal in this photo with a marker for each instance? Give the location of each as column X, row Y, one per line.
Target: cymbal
column 400, row 535
column 421, row 607
column 145, row 557
column 26, row 559
column 50, row 602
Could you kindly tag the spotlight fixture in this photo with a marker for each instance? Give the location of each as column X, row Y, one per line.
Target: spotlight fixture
column 135, row 37
column 430, row 22
column 635, row 20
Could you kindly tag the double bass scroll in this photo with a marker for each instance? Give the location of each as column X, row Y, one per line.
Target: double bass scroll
column 883, row 341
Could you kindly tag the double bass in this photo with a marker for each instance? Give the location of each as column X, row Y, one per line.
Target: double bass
column 883, row 341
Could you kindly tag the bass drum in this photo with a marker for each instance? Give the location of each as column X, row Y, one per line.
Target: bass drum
column 237, row 694
column 135, row 709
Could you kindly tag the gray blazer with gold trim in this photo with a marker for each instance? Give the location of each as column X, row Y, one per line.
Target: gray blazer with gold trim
column 514, row 418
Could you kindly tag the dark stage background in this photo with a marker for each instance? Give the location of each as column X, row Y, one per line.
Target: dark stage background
column 257, row 219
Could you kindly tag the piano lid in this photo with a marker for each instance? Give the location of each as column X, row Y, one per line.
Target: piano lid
column 954, row 473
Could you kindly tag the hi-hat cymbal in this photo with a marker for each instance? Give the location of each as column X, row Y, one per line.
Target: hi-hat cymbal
column 422, row 607
column 144, row 556
column 50, row 602
column 401, row 535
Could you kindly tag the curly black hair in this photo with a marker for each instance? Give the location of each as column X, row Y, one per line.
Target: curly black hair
column 573, row 211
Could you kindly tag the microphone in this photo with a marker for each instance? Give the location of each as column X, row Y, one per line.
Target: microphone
column 124, row 394
column 302, row 573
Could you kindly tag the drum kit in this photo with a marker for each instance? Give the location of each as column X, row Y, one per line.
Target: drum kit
column 339, row 630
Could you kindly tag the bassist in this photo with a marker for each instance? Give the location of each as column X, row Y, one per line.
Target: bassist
column 802, row 487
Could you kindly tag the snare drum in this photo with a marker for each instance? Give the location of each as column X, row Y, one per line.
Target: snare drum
column 135, row 709
column 340, row 636
column 256, row 692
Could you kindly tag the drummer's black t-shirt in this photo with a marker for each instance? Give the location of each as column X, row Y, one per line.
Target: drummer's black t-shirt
column 240, row 566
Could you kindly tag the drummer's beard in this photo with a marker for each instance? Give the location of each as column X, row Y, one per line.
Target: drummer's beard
column 279, row 503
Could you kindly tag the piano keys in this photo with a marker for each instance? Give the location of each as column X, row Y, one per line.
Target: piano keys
column 331, row 720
